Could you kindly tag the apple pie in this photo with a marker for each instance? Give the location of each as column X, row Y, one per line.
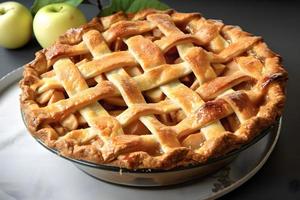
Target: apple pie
column 154, row 89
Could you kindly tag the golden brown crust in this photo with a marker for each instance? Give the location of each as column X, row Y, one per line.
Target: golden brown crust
column 74, row 92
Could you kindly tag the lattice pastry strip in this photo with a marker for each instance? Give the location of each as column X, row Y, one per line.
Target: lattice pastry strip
column 108, row 76
column 169, row 29
column 122, row 81
column 219, row 44
column 102, row 48
column 102, row 124
column 189, row 93
column 68, row 74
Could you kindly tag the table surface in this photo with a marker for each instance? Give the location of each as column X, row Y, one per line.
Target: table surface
column 278, row 22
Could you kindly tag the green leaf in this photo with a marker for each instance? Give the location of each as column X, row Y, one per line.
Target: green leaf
column 142, row 4
column 131, row 6
column 38, row 4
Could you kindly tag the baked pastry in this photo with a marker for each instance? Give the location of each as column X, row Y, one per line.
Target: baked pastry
column 155, row 89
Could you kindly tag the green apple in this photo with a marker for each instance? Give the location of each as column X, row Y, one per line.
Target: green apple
column 53, row 20
column 15, row 25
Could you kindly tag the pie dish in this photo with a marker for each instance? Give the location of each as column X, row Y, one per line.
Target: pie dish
column 154, row 89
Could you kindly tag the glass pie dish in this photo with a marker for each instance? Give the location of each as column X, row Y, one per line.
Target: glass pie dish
column 159, row 97
column 155, row 177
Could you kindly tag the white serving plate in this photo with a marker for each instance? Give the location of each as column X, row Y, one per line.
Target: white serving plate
column 32, row 157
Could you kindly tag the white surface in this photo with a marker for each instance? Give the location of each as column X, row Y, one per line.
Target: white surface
column 29, row 171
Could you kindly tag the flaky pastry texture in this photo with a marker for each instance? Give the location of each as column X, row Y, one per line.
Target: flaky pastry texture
column 154, row 89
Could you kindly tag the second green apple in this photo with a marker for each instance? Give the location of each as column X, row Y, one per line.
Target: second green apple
column 53, row 20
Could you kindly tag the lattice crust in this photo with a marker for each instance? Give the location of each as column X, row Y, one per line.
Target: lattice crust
column 155, row 89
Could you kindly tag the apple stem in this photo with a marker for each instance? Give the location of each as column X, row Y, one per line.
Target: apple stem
column 2, row 11
column 99, row 4
column 56, row 9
